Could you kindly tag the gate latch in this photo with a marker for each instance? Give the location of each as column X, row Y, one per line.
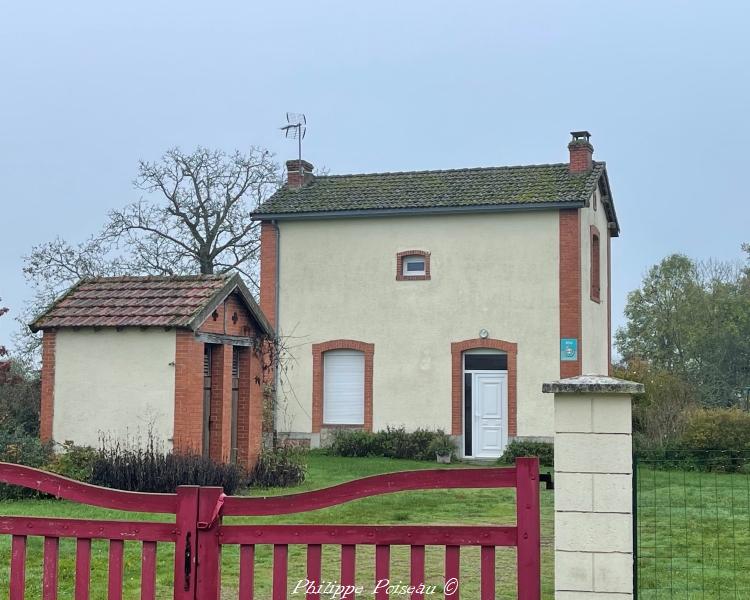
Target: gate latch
column 188, row 562
column 549, row 483
column 214, row 515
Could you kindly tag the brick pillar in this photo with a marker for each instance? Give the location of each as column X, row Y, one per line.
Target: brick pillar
column 268, row 266
column 249, row 409
column 220, row 425
column 593, row 487
column 188, row 393
column 47, row 406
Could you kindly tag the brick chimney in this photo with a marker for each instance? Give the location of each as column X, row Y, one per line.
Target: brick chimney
column 581, row 152
column 299, row 173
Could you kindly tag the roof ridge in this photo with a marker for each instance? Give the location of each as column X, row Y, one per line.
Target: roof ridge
column 134, row 278
column 460, row 170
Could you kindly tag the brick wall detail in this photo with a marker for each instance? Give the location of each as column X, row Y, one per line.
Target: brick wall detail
column 457, row 379
column 268, row 265
column 220, row 420
column 188, row 393
column 317, row 391
column 47, row 407
column 231, row 317
column 249, row 408
column 570, row 286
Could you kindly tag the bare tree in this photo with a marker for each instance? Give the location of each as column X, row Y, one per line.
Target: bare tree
column 194, row 217
column 200, row 221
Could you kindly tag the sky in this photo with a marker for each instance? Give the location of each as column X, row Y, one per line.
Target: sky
column 89, row 88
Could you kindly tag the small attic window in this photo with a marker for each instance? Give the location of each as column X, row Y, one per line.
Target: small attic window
column 412, row 265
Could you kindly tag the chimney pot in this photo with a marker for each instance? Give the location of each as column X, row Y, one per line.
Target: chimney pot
column 299, row 173
column 581, row 152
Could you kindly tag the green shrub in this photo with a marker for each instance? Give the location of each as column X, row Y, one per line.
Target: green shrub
column 20, row 391
column 74, row 462
column 286, row 466
column 391, row 442
column 443, row 445
column 354, row 442
column 713, row 440
column 518, row 448
column 20, row 448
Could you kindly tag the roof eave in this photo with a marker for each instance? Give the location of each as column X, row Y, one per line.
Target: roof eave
column 609, row 204
column 36, row 325
column 428, row 210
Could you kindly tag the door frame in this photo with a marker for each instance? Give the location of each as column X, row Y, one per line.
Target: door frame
column 457, row 380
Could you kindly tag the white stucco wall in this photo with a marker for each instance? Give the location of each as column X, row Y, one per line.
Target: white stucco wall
column 594, row 330
column 493, row 271
column 116, row 383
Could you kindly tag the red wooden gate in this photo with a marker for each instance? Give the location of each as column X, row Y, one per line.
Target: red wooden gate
column 199, row 534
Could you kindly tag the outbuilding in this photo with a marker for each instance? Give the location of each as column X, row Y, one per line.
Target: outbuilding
column 175, row 359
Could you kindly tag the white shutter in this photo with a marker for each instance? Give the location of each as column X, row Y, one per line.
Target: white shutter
column 344, row 387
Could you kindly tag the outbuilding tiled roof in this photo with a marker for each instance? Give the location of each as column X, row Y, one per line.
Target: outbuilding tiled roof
column 142, row 302
column 481, row 187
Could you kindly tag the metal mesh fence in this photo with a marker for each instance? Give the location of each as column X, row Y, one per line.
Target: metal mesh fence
column 692, row 525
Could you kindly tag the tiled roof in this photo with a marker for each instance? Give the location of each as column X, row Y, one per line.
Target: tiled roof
column 140, row 301
column 493, row 186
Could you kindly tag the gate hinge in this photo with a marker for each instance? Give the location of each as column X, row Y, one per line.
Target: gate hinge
column 549, row 483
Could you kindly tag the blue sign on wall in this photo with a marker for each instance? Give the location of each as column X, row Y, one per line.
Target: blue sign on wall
column 568, row 349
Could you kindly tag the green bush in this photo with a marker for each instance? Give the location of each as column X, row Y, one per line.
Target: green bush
column 354, row 442
column 74, row 462
column 286, row 466
column 717, row 429
column 443, row 445
column 392, row 442
column 518, row 448
column 20, row 390
column 713, row 440
column 20, row 448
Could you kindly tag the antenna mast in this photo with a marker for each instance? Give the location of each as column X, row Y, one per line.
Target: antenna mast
column 295, row 129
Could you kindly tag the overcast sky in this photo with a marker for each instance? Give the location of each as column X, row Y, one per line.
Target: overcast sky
column 88, row 88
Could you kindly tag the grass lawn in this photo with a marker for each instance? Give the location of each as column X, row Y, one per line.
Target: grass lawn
column 693, row 535
column 439, row 506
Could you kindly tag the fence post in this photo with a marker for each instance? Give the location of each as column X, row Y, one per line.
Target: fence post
column 528, row 551
column 208, row 575
column 186, row 522
column 593, row 487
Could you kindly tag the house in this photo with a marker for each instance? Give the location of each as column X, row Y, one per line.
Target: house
column 177, row 358
column 439, row 299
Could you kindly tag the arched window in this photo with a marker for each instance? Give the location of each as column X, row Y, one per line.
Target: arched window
column 412, row 265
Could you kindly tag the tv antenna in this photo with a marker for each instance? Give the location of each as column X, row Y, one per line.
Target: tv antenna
column 295, row 130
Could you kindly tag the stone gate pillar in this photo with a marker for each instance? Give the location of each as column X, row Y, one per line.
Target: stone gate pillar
column 593, row 487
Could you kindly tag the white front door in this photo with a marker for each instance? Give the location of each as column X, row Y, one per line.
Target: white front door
column 490, row 404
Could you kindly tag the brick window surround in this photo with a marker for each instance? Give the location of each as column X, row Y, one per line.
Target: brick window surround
column 400, row 265
column 595, row 278
column 457, row 379
column 317, row 392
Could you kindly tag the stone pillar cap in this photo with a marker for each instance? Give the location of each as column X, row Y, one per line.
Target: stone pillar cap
column 592, row 384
